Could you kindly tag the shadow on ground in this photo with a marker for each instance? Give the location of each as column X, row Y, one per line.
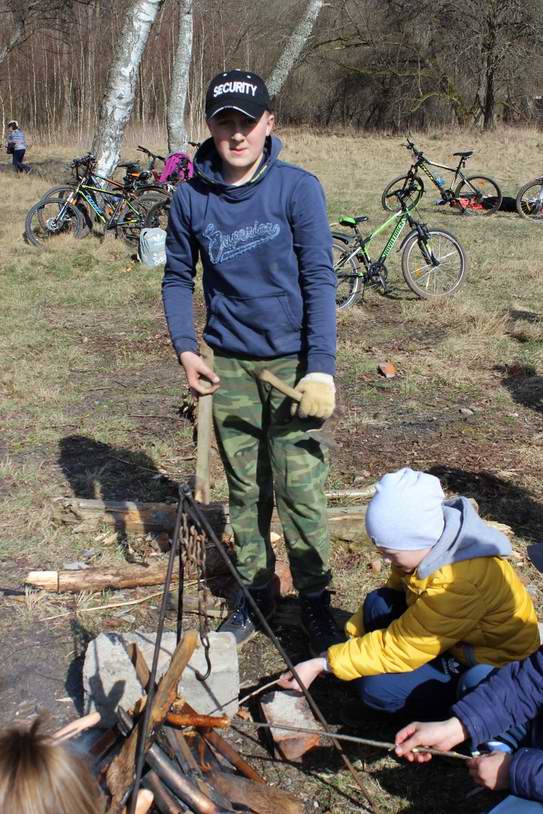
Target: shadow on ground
column 525, row 386
column 498, row 499
column 96, row 470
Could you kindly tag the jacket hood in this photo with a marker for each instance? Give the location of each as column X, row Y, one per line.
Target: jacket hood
column 465, row 537
column 208, row 168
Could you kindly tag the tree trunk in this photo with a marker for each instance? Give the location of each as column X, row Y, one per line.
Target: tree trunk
column 294, row 47
column 489, row 50
column 490, row 98
column 15, row 39
column 118, row 100
column 177, row 133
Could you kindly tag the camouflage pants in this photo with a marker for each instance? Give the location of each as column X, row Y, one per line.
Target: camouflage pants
column 264, row 450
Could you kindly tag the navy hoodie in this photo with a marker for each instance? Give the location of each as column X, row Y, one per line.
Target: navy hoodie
column 513, row 695
column 266, row 251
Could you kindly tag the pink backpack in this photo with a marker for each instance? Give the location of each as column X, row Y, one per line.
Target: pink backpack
column 177, row 167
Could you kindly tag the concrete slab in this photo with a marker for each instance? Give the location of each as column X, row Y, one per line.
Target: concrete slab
column 290, row 708
column 109, row 679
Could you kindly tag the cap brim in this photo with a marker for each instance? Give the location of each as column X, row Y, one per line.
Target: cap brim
column 252, row 111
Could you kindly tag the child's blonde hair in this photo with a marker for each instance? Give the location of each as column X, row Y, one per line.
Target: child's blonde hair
column 38, row 776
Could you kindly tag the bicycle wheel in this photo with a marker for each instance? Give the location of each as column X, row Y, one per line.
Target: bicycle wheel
column 348, row 283
column 530, row 201
column 62, row 192
column 48, row 219
column 434, row 266
column 389, row 201
column 158, row 215
column 478, row 195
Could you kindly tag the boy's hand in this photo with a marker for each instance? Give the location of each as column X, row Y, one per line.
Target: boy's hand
column 491, row 771
column 443, row 735
column 196, row 370
column 308, row 672
column 318, row 396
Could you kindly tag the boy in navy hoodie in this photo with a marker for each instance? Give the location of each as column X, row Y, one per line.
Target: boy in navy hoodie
column 508, row 705
column 260, row 228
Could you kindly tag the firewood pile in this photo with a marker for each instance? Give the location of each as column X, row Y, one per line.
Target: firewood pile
column 188, row 766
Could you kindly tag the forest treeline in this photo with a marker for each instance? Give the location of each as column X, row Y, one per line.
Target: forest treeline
column 376, row 64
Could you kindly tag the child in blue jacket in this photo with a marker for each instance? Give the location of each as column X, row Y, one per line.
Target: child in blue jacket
column 260, row 228
column 508, row 705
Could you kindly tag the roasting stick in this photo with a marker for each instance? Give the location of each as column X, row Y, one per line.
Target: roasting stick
column 353, row 739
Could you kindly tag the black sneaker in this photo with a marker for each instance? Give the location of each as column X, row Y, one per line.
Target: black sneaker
column 242, row 621
column 318, row 622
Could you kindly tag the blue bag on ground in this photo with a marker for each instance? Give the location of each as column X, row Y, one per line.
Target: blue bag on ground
column 152, row 248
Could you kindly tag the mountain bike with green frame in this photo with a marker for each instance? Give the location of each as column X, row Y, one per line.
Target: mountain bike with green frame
column 433, row 261
column 473, row 194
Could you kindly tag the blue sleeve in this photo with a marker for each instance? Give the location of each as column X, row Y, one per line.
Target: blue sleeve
column 178, row 282
column 526, row 774
column 313, row 247
column 512, row 695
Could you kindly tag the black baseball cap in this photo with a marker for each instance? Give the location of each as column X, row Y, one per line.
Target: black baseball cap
column 237, row 90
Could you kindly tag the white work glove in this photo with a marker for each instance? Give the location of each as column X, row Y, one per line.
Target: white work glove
column 318, row 396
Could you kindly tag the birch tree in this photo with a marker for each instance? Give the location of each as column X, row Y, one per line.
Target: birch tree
column 294, row 47
column 118, row 99
column 21, row 19
column 177, row 132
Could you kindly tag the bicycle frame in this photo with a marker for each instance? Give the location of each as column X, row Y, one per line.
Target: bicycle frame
column 87, row 188
column 402, row 218
column 422, row 161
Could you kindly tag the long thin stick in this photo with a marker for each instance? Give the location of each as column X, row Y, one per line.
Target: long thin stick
column 353, row 739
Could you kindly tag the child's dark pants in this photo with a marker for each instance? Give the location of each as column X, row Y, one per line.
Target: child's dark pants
column 426, row 693
column 18, row 165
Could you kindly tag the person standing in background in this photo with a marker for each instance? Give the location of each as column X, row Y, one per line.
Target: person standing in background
column 16, row 146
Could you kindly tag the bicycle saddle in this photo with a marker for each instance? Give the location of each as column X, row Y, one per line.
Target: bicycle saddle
column 465, row 154
column 132, row 165
column 353, row 221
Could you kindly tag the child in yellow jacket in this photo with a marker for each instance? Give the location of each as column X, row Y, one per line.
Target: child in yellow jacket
column 452, row 610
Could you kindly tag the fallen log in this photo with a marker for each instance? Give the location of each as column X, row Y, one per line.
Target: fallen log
column 129, row 515
column 260, row 799
column 346, row 523
column 98, row 579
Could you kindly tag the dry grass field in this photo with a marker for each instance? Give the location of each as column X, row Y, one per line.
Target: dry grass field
column 92, row 404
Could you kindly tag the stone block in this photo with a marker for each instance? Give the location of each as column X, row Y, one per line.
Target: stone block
column 290, row 708
column 109, row 679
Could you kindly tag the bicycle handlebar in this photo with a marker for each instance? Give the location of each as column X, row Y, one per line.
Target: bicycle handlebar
column 89, row 158
column 149, row 153
column 412, row 146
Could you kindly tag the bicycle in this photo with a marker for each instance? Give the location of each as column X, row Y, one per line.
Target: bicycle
column 433, row 261
column 75, row 208
column 474, row 194
column 135, row 180
column 529, row 201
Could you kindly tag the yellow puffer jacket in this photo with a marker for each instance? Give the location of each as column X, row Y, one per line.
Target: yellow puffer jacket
column 477, row 609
